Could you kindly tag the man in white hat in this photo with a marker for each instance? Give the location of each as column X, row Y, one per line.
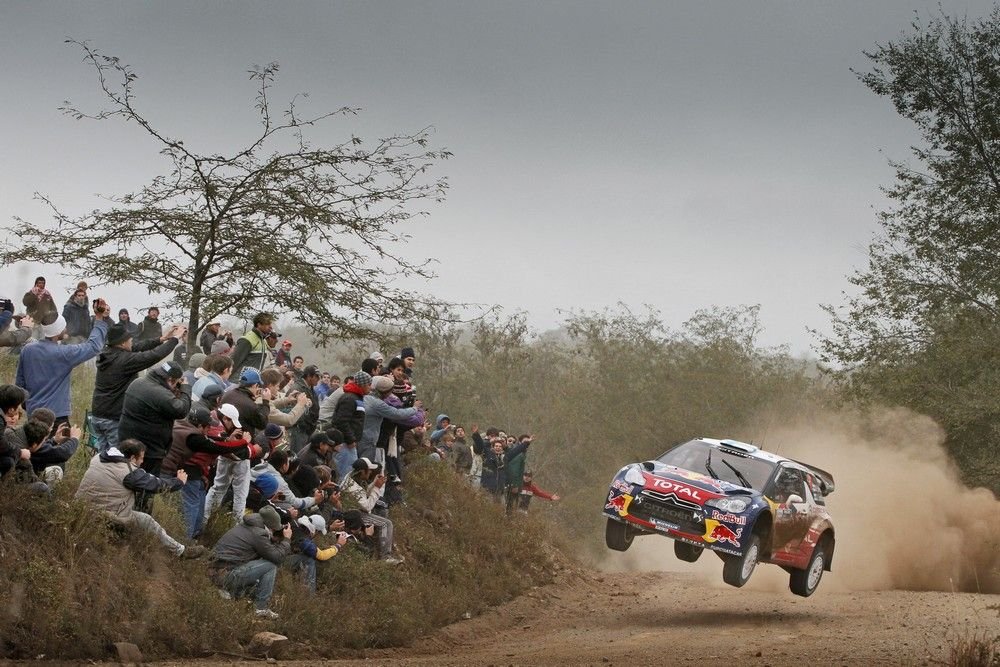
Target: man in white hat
column 43, row 369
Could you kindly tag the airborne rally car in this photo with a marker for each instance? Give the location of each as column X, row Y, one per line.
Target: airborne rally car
column 743, row 503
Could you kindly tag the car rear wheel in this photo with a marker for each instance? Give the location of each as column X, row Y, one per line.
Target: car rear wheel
column 618, row 535
column 805, row 582
column 687, row 552
column 737, row 569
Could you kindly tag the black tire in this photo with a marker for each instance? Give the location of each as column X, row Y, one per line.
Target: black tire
column 687, row 552
column 618, row 535
column 737, row 569
column 805, row 582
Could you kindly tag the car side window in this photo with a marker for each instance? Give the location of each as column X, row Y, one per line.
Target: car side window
column 817, row 489
column 789, row 482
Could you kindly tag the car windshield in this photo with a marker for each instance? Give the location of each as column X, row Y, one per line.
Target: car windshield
column 724, row 464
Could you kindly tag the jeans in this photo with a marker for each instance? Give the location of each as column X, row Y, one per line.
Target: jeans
column 257, row 576
column 229, row 472
column 193, row 506
column 106, row 431
column 306, row 566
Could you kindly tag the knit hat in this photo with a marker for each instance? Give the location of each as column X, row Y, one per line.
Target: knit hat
column 211, row 392
column 169, row 369
column 196, row 360
column 382, row 383
column 268, row 486
column 229, row 410
column 117, row 334
column 320, row 438
column 123, row 311
column 250, row 376
column 376, row 356
column 362, row 379
column 273, row 431
column 54, row 329
column 407, row 352
column 220, row 346
column 200, row 416
column 270, row 515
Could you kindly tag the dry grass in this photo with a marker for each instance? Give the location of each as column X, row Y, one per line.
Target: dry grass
column 974, row 651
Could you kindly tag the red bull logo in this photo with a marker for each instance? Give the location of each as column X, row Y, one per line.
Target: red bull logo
column 718, row 532
column 618, row 503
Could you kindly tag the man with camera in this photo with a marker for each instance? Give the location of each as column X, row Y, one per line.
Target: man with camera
column 367, row 486
column 17, row 335
column 43, row 369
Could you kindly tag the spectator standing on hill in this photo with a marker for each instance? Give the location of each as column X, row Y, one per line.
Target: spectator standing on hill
column 303, row 429
column 150, row 406
column 409, row 360
column 77, row 316
column 195, row 368
column 251, row 350
column 245, row 560
column 322, row 389
column 111, row 483
column 349, row 413
column 531, row 490
column 209, row 335
column 220, row 368
column 117, row 366
column 17, row 335
column 150, row 328
column 283, row 355
column 43, row 369
column 285, row 411
column 126, row 320
column 277, row 466
column 514, row 472
column 194, row 451
column 38, row 303
column 230, row 471
column 494, row 479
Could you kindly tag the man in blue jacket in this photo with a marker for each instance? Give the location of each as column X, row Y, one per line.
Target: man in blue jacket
column 43, row 369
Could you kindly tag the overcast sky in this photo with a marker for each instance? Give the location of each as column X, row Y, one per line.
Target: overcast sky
column 676, row 154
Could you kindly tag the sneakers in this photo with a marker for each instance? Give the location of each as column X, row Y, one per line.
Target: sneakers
column 193, row 551
column 266, row 614
column 393, row 560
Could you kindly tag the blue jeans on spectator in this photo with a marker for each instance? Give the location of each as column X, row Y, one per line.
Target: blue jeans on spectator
column 306, row 566
column 106, row 431
column 257, row 576
column 193, row 506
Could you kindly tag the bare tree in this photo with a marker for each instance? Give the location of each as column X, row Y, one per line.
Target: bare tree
column 280, row 225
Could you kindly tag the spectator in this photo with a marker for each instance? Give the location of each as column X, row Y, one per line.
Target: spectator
column 380, row 361
column 12, row 400
column 295, row 405
column 150, row 406
column 194, row 452
column 77, row 316
column 125, row 320
column 117, row 367
column 441, row 425
column 514, row 472
column 222, row 347
column 270, row 439
column 345, row 456
column 305, row 553
column 530, row 490
column 301, row 431
column 49, row 459
column 211, row 398
column 370, row 366
column 349, row 413
column 277, row 466
column 381, row 421
column 366, row 484
column 43, row 369
column 321, row 449
column 322, row 389
column 17, row 335
column 208, row 337
column 38, row 303
column 34, row 433
column 494, row 479
column 219, row 369
column 196, row 369
column 462, row 457
column 229, row 472
column 150, row 328
column 360, row 533
column 245, row 560
column 251, row 350
column 111, row 482
column 409, row 360
column 283, row 356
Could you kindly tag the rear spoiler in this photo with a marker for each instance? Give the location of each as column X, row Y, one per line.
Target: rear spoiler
column 825, row 479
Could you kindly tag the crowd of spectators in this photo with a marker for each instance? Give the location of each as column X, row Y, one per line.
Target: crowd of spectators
column 303, row 464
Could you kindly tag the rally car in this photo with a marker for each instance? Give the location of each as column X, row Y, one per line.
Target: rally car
column 733, row 498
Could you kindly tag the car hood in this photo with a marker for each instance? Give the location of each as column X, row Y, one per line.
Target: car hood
column 689, row 485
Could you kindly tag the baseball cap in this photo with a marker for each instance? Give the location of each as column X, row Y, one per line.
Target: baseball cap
column 250, row 376
column 229, row 410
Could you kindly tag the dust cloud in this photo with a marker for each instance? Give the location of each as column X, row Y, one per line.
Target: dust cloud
column 903, row 519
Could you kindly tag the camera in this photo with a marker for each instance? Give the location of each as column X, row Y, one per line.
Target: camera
column 409, row 398
column 7, row 304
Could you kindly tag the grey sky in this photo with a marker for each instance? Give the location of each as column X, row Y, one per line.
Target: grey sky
column 677, row 154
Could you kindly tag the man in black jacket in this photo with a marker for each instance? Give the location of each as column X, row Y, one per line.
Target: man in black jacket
column 302, row 430
column 117, row 367
column 149, row 409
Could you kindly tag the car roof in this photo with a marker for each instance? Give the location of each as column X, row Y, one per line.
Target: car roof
column 755, row 452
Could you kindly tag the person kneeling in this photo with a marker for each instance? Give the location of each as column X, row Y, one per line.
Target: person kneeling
column 111, row 482
column 305, row 553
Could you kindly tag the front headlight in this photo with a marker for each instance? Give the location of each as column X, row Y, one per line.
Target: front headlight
column 634, row 476
column 731, row 505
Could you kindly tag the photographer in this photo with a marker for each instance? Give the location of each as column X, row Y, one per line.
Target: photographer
column 305, row 552
column 21, row 331
column 366, row 485
column 43, row 369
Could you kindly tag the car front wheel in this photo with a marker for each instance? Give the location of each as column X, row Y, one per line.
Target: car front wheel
column 805, row 582
column 618, row 535
column 737, row 569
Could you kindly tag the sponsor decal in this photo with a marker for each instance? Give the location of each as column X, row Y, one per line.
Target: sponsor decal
column 618, row 503
column 682, row 490
column 697, row 477
column 718, row 532
column 621, row 485
column 729, row 518
column 664, row 525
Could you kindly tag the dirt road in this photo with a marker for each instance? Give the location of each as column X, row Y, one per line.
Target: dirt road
column 667, row 618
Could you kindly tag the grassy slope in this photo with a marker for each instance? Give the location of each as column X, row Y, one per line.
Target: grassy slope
column 73, row 585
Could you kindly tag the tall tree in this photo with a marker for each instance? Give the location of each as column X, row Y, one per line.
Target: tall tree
column 936, row 253
column 280, row 224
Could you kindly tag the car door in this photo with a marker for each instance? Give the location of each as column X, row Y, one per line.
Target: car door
column 794, row 514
